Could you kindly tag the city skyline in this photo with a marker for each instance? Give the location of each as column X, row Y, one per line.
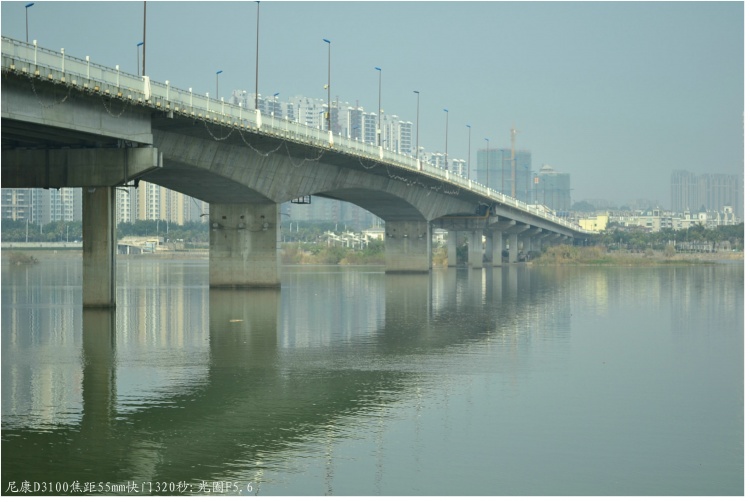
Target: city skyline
column 612, row 93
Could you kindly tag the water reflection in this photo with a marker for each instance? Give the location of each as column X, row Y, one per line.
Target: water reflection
column 186, row 383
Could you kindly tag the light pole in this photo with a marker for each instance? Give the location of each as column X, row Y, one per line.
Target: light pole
column 380, row 138
column 217, row 82
column 487, row 159
column 257, row 45
column 328, row 86
column 417, row 152
column 468, row 162
column 446, row 138
column 144, row 38
column 27, row 20
column 138, row 57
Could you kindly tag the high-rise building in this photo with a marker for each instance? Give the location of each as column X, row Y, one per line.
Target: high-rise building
column 505, row 170
column 42, row 206
column 487, row 167
column 713, row 192
column 516, row 175
column 552, row 189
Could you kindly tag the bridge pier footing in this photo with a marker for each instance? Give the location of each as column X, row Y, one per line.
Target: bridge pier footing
column 244, row 246
column 408, row 247
column 99, row 247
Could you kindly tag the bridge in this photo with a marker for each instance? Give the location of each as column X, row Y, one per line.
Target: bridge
column 67, row 122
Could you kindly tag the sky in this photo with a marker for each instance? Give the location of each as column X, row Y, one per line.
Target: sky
column 618, row 94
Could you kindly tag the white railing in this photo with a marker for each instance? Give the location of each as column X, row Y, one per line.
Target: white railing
column 58, row 66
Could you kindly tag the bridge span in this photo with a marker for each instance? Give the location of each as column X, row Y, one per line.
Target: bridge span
column 67, row 122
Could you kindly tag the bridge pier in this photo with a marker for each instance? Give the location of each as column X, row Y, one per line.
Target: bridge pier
column 496, row 243
column 513, row 242
column 99, row 247
column 408, row 247
column 496, row 250
column 451, row 248
column 244, row 246
column 475, row 249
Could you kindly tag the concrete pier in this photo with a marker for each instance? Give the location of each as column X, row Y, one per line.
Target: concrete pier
column 475, row 249
column 496, row 250
column 99, row 247
column 244, row 246
column 451, row 248
column 408, row 247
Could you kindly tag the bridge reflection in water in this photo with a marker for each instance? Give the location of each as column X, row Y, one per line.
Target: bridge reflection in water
column 184, row 382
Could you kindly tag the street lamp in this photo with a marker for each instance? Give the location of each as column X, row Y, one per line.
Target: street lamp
column 380, row 74
column 487, row 159
column 257, row 45
column 144, row 38
column 468, row 162
column 417, row 152
column 138, row 57
column 27, row 20
column 217, row 83
column 328, row 86
column 446, row 138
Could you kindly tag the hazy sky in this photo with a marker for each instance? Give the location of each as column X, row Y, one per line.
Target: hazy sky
column 618, row 94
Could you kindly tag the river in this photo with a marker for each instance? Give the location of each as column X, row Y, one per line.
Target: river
column 520, row 380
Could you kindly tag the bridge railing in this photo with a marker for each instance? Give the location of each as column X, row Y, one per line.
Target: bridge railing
column 58, row 66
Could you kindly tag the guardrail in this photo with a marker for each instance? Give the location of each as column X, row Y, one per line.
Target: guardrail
column 59, row 67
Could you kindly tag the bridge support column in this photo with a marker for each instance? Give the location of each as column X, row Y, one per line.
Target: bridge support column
column 408, row 247
column 451, row 248
column 475, row 249
column 99, row 247
column 244, row 246
column 526, row 244
column 513, row 248
column 497, row 248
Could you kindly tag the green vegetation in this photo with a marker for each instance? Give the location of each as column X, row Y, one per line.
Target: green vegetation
column 57, row 231
column 618, row 237
column 598, row 255
column 322, row 254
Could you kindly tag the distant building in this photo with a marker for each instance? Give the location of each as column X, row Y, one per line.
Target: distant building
column 596, row 223
column 552, row 189
column 711, row 192
column 488, row 167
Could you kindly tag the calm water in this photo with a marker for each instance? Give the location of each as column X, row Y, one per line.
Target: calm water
column 515, row 381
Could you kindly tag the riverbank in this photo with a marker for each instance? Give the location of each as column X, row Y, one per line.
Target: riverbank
column 573, row 255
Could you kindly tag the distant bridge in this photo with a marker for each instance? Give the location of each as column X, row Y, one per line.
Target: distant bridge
column 67, row 122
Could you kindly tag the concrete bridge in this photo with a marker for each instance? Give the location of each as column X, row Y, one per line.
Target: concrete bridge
column 69, row 123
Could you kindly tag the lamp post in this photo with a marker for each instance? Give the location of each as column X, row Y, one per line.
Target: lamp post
column 468, row 162
column 417, row 151
column 217, row 82
column 328, row 86
column 446, row 138
column 257, row 45
column 380, row 136
column 27, row 20
column 487, row 159
column 144, row 37
column 138, row 57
